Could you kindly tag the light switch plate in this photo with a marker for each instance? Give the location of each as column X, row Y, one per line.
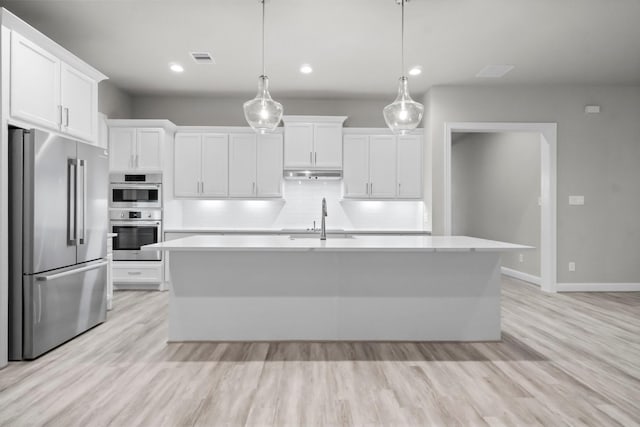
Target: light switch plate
column 576, row 200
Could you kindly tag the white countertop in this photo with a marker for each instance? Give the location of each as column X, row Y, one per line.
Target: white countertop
column 286, row 231
column 357, row 243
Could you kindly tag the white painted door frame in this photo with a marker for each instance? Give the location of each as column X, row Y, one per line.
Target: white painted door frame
column 548, row 139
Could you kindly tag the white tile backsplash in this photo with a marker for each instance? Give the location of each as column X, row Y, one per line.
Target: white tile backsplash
column 298, row 209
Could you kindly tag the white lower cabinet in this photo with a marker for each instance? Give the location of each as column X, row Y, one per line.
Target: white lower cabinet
column 382, row 166
column 255, row 165
column 137, row 275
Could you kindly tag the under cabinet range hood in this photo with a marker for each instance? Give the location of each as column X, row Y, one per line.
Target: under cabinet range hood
column 300, row 174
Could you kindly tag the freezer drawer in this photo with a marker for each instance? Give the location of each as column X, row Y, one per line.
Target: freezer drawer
column 63, row 303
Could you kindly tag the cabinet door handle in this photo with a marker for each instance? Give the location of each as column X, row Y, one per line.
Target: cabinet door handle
column 371, row 188
column 399, row 188
column 60, row 115
column 366, row 188
column 315, row 161
column 310, row 157
column 202, row 187
column 253, row 189
column 66, row 113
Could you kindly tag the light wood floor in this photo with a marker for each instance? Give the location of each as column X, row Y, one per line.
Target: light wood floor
column 565, row 359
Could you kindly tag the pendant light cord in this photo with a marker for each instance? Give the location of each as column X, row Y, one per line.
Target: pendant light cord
column 263, row 69
column 402, row 39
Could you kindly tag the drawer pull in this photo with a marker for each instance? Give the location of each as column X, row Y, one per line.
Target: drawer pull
column 134, row 273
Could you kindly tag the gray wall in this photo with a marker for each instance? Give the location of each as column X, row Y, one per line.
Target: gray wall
column 113, row 101
column 221, row 111
column 598, row 157
column 495, row 188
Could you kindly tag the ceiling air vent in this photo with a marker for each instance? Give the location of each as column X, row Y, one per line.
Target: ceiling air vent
column 202, row 58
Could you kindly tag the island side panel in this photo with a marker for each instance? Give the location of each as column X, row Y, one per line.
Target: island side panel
column 327, row 295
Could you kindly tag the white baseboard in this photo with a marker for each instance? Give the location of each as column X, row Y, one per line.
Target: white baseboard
column 522, row 276
column 141, row 286
column 598, row 287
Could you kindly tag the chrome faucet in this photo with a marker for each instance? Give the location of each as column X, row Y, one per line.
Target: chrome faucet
column 323, row 233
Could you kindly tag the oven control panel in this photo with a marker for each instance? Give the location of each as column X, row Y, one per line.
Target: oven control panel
column 142, row 214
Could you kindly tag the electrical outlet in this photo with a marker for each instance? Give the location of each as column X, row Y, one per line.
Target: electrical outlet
column 521, row 258
column 576, row 200
column 572, row 266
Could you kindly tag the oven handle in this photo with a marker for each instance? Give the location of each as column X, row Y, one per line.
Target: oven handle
column 135, row 223
column 135, row 186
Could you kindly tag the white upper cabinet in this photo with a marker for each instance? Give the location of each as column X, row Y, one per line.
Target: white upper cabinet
column 382, row 166
column 327, row 151
column 187, row 171
column 35, row 84
column 215, row 165
column 239, row 164
column 409, row 165
column 148, row 155
column 134, row 148
column 242, row 165
column 313, row 142
column 269, row 165
column 255, row 165
column 79, row 101
column 201, row 165
column 122, row 145
column 48, row 92
column 356, row 166
column 299, row 145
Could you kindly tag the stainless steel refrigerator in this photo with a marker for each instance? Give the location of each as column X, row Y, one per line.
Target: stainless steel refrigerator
column 58, row 229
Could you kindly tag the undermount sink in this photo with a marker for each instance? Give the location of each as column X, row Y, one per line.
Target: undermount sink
column 317, row 236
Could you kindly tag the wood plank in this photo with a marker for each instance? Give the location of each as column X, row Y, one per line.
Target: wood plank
column 564, row 359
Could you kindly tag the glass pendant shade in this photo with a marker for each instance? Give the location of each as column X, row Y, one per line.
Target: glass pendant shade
column 263, row 113
column 404, row 114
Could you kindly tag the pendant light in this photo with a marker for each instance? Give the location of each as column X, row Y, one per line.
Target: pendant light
column 263, row 113
column 404, row 114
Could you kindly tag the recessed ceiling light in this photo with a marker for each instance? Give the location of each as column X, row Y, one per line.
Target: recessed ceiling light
column 494, row 71
column 415, row 71
column 176, row 68
column 306, row 69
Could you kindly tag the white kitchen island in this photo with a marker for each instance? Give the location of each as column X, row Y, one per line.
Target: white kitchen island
column 379, row 288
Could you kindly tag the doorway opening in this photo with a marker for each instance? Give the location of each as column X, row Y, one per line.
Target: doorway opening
column 546, row 133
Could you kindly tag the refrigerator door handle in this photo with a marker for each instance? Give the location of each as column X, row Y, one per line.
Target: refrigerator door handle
column 72, row 225
column 47, row 277
column 83, row 165
column 39, row 304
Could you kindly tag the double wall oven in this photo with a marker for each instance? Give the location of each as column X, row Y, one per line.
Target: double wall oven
column 135, row 214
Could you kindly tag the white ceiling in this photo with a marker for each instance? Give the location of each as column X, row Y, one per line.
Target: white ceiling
column 353, row 45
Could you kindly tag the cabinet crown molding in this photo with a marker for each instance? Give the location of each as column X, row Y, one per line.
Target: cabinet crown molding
column 143, row 123
column 378, row 131
column 223, row 129
column 314, row 119
column 14, row 23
